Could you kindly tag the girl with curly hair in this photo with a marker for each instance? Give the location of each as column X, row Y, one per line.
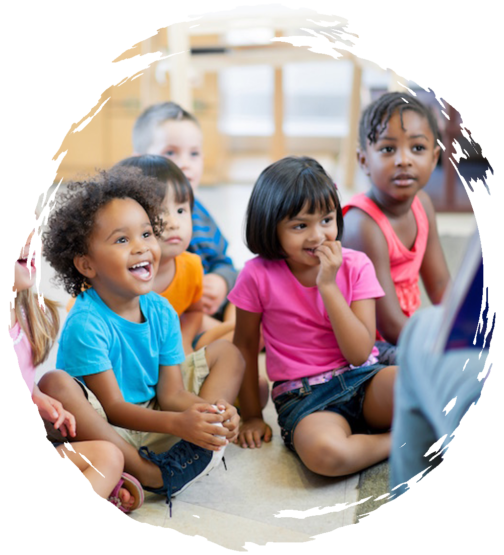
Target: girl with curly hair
column 122, row 342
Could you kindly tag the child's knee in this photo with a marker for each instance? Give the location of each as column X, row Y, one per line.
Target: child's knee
column 54, row 382
column 224, row 350
column 112, row 455
column 327, row 457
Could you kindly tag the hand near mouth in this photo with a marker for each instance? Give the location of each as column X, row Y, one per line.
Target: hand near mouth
column 331, row 258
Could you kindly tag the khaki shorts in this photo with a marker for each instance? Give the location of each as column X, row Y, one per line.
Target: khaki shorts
column 194, row 372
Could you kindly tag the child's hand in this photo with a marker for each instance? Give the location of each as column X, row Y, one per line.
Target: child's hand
column 331, row 258
column 231, row 421
column 196, row 425
column 251, row 433
column 214, row 292
column 52, row 410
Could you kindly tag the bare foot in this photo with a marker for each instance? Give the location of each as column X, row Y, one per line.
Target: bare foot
column 127, row 499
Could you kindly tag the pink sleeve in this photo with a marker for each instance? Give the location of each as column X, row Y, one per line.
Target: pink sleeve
column 365, row 283
column 246, row 293
column 371, row 288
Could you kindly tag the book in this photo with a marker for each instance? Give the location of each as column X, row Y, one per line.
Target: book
column 466, row 310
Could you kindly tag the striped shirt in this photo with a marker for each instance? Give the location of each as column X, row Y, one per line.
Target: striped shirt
column 210, row 245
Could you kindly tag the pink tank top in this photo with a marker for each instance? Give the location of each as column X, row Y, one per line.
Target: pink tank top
column 404, row 264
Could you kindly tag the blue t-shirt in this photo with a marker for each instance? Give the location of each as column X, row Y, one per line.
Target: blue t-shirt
column 95, row 339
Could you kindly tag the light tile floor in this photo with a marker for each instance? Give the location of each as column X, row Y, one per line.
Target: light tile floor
column 248, row 501
column 265, row 493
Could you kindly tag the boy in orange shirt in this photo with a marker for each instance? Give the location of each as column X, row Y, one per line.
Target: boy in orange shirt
column 180, row 274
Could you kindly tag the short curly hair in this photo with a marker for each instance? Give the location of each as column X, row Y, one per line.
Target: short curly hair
column 72, row 219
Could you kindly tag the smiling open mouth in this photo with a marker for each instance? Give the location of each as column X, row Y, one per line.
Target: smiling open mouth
column 23, row 261
column 142, row 270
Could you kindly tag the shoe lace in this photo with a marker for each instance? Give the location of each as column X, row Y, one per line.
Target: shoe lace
column 179, row 456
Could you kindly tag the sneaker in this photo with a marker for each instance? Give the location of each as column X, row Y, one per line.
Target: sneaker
column 182, row 465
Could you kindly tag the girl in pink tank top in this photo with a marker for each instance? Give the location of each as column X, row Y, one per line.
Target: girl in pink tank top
column 394, row 222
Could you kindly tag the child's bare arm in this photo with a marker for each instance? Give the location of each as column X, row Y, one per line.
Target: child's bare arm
column 363, row 234
column 52, row 410
column 197, row 416
column 192, row 425
column 246, row 338
column 190, row 324
column 354, row 326
column 171, row 393
column 215, row 290
column 121, row 413
column 434, row 269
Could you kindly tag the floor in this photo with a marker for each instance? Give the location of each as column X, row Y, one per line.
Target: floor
column 265, row 495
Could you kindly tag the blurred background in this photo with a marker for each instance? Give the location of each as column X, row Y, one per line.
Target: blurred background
column 259, row 100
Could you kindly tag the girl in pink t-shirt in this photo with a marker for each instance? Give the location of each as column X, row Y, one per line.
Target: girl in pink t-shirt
column 316, row 303
column 34, row 328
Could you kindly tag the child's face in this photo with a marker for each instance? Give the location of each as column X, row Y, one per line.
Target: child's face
column 123, row 254
column 178, row 229
column 400, row 163
column 181, row 142
column 301, row 235
column 24, row 269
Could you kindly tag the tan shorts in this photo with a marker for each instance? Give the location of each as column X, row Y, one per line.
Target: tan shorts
column 194, row 372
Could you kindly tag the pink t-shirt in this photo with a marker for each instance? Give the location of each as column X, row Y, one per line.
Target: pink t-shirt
column 297, row 332
column 24, row 353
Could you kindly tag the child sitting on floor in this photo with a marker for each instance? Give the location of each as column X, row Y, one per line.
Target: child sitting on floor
column 169, row 130
column 123, row 342
column 180, row 273
column 34, row 328
column 394, row 223
column 316, row 303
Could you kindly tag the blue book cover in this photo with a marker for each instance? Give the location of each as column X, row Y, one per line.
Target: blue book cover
column 464, row 329
column 465, row 323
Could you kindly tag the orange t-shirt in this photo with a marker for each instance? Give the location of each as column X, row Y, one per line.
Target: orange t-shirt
column 186, row 287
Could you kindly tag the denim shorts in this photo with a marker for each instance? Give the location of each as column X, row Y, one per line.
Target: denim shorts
column 343, row 394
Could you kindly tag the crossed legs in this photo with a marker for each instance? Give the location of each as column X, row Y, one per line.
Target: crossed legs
column 91, row 426
column 325, row 443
